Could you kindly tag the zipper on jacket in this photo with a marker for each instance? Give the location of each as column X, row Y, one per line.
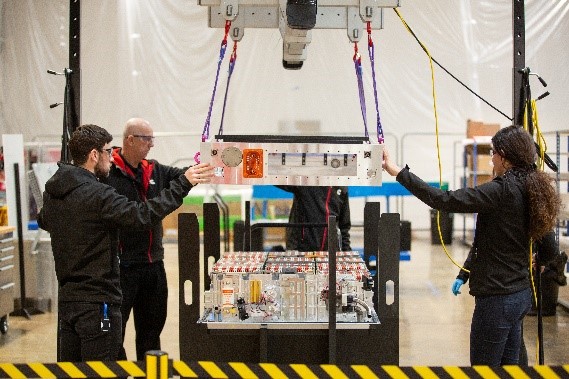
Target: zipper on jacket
column 325, row 234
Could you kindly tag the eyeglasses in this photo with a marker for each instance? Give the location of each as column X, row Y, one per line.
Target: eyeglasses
column 109, row 151
column 144, row 138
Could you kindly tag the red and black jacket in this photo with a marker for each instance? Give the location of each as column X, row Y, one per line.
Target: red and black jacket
column 140, row 184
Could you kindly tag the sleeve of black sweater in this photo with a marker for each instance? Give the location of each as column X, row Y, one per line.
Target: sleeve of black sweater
column 465, row 275
column 482, row 198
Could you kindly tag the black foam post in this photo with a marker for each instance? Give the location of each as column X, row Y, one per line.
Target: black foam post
column 23, row 311
column 189, row 271
column 211, row 234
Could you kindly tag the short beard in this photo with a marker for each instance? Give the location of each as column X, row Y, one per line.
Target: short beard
column 101, row 172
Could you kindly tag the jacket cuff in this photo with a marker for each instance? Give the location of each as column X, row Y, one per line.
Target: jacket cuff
column 185, row 182
column 463, row 275
column 403, row 171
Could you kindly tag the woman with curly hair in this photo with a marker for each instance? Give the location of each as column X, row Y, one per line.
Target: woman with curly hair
column 518, row 206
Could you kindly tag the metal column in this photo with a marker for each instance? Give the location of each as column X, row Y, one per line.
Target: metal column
column 519, row 59
column 75, row 58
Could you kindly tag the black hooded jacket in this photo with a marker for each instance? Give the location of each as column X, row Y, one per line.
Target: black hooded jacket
column 83, row 216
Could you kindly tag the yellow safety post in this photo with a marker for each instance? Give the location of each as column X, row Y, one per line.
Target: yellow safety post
column 157, row 364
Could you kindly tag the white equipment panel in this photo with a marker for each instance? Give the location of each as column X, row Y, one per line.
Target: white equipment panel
column 308, row 164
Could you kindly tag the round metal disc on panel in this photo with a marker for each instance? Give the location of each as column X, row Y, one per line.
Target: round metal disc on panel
column 231, row 156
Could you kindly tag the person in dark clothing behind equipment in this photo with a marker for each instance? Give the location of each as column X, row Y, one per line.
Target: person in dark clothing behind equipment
column 314, row 205
column 519, row 204
column 143, row 277
column 83, row 217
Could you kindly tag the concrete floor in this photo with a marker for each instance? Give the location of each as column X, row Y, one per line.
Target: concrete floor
column 434, row 324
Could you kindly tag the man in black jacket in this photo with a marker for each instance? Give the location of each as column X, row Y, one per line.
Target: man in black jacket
column 313, row 205
column 143, row 277
column 83, row 217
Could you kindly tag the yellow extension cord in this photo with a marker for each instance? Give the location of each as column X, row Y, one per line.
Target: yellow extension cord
column 437, row 136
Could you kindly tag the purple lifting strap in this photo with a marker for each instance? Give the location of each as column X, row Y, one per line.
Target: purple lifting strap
column 358, row 68
column 232, row 61
column 371, row 52
column 205, row 132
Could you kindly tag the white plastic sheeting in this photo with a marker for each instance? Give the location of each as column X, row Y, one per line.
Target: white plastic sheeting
column 157, row 59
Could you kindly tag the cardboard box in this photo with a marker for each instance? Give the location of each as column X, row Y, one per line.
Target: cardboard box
column 478, row 128
column 480, row 179
column 483, row 164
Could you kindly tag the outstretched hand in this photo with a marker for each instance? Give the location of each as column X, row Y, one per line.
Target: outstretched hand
column 200, row 173
column 390, row 167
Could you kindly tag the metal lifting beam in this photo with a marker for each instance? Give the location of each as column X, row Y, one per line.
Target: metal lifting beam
column 295, row 20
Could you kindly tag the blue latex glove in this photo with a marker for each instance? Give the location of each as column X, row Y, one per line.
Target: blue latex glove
column 456, row 286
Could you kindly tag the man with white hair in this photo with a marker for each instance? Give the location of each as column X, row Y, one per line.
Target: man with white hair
column 143, row 277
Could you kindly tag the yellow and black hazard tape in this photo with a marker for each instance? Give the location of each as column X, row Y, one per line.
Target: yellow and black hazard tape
column 203, row 369
column 207, row 369
column 72, row 370
column 156, row 366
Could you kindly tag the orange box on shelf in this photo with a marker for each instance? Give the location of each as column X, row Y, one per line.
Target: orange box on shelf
column 478, row 128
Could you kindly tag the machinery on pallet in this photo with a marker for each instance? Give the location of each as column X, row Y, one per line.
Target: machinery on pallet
column 289, row 286
column 287, row 307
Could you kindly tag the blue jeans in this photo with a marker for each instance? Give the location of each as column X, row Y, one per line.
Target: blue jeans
column 496, row 330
